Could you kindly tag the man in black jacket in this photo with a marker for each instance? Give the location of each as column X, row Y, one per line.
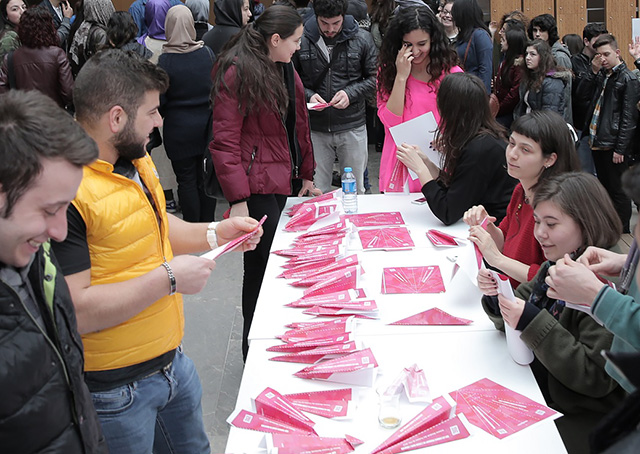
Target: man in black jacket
column 46, row 406
column 61, row 12
column 581, row 63
column 611, row 119
column 337, row 65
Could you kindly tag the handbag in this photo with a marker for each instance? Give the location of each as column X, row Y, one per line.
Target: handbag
column 494, row 104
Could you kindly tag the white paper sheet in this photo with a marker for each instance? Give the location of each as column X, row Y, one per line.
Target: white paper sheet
column 419, row 131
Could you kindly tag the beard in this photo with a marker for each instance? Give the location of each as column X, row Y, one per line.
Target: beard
column 128, row 144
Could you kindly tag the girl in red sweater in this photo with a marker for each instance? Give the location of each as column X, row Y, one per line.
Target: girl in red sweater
column 540, row 146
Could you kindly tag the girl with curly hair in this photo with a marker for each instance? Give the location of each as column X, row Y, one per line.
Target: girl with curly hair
column 40, row 63
column 414, row 58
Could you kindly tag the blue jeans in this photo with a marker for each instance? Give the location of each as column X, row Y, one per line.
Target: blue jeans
column 585, row 155
column 161, row 413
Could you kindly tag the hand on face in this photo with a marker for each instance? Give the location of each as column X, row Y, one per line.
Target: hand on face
column 403, row 61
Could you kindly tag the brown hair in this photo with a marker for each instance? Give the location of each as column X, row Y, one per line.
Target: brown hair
column 459, row 123
column 581, row 196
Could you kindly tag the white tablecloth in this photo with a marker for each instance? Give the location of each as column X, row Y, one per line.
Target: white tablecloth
column 452, row 356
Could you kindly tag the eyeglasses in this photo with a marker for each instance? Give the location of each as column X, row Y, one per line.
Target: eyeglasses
column 445, row 12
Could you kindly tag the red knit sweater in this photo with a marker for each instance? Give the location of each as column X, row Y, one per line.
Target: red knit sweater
column 519, row 242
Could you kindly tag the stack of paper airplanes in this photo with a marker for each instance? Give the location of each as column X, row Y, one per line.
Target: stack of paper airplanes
column 289, row 431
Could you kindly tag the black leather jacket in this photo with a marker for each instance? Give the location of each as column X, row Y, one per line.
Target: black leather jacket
column 618, row 112
column 353, row 70
column 45, row 404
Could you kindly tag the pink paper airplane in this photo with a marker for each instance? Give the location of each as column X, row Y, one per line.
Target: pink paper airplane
column 314, row 276
column 320, row 198
column 244, row 419
column 450, row 430
column 272, row 404
column 440, row 410
column 332, row 297
column 331, row 229
column 441, row 239
column 355, row 368
column 344, row 279
column 333, row 403
column 307, row 215
column 301, row 444
column 434, row 316
column 316, row 354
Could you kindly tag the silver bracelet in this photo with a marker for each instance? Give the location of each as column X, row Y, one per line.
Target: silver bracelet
column 172, row 279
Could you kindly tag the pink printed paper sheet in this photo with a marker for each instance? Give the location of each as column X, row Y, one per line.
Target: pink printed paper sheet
column 412, row 279
column 434, row 316
column 376, row 219
column 498, row 410
column 386, row 238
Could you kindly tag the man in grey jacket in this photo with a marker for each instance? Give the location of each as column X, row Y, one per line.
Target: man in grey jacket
column 337, row 65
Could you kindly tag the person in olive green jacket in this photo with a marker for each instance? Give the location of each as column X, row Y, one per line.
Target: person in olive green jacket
column 572, row 211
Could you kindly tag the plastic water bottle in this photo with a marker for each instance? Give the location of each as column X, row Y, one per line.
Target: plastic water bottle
column 349, row 191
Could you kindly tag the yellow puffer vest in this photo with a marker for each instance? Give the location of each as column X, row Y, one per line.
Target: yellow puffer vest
column 125, row 241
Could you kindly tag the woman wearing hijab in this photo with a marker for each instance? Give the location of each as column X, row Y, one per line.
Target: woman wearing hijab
column 186, row 111
column 200, row 11
column 155, row 14
column 91, row 36
column 231, row 16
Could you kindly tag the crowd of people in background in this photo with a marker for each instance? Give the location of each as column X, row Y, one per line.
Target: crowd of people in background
column 537, row 137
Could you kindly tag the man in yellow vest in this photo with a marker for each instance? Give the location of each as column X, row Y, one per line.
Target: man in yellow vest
column 119, row 262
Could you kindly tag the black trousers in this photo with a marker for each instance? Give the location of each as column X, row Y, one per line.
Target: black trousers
column 255, row 262
column 610, row 175
column 196, row 206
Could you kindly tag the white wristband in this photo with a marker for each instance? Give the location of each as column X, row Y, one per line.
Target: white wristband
column 212, row 238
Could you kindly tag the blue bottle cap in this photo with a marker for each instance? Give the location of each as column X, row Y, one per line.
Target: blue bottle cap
column 348, row 169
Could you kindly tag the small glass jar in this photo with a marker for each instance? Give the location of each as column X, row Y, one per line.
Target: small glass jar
column 389, row 415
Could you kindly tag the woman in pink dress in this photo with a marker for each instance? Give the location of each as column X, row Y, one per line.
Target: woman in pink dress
column 414, row 58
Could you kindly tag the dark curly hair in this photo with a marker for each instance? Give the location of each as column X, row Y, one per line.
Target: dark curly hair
column 459, row 124
column 248, row 52
column 121, row 29
column 441, row 56
column 533, row 79
column 546, row 23
column 36, row 29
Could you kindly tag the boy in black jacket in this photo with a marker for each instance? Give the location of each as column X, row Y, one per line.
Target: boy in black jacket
column 611, row 119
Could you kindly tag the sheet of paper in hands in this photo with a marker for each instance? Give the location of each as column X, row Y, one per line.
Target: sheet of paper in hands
column 231, row 245
column 518, row 350
column 419, row 131
column 317, row 105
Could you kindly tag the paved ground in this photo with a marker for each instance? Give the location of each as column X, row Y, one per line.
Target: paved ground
column 214, row 335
